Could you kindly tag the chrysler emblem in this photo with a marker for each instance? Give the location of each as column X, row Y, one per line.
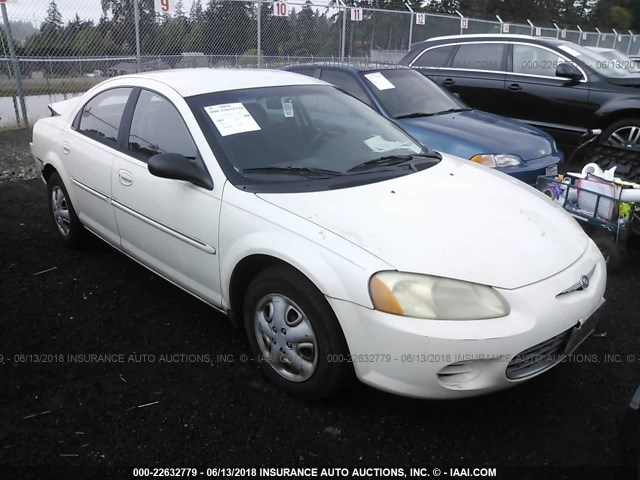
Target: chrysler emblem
column 583, row 284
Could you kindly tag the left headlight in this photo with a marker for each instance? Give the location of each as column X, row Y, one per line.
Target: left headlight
column 434, row 298
column 499, row 160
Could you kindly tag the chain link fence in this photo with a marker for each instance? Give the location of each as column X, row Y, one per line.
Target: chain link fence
column 57, row 49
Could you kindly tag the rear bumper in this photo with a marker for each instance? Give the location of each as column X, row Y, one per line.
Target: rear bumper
column 530, row 171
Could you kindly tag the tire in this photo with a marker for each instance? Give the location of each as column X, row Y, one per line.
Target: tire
column 283, row 310
column 64, row 217
column 610, row 251
column 623, row 134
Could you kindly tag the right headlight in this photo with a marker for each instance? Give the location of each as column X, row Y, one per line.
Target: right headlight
column 498, row 160
column 434, row 298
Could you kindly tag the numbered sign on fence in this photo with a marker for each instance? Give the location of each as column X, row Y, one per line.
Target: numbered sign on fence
column 563, row 33
column 165, row 6
column 538, row 31
column 505, row 28
column 464, row 23
column 356, row 14
column 280, row 9
column 421, row 19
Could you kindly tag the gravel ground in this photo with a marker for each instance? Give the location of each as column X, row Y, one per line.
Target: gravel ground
column 56, row 411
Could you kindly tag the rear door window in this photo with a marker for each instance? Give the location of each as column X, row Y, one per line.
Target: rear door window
column 101, row 116
column 480, row 56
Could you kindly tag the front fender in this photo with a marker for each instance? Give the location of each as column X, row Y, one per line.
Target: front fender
column 252, row 226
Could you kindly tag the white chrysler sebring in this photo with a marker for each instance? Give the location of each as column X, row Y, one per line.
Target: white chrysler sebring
column 337, row 241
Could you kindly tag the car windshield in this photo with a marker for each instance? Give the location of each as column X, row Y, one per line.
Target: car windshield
column 617, row 59
column 405, row 93
column 598, row 62
column 302, row 133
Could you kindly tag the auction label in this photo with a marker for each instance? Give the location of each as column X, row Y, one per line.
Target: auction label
column 231, row 118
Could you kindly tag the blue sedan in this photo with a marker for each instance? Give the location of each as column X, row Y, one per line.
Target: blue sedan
column 441, row 121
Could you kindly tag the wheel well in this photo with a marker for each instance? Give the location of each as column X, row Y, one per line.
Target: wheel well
column 614, row 117
column 47, row 171
column 243, row 273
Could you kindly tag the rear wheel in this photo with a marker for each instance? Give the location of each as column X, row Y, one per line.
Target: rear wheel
column 295, row 335
column 64, row 217
column 623, row 134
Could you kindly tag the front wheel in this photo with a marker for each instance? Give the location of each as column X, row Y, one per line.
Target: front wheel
column 295, row 335
column 67, row 224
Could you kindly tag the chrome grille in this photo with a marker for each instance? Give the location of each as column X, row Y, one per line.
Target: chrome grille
column 538, row 358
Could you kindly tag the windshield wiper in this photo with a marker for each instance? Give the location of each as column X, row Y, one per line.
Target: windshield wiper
column 382, row 161
column 423, row 114
column 293, row 169
column 390, row 160
column 454, row 110
column 414, row 115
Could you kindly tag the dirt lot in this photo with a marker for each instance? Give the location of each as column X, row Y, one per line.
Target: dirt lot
column 210, row 410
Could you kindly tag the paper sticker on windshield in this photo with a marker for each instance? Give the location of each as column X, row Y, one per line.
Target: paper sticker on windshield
column 231, row 118
column 287, row 107
column 380, row 81
column 569, row 50
column 380, row 145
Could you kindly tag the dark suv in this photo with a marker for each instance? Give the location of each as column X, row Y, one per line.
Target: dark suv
column 558, row 86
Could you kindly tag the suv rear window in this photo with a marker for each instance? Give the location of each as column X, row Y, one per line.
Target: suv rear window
column 436, row 57
column 479, row 56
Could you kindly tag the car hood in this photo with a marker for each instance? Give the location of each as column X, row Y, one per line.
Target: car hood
column 456, row 219
column 468, row 133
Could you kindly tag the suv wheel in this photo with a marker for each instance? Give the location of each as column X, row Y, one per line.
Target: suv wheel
column 623, row 134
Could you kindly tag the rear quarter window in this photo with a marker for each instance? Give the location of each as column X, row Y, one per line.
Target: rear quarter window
column 435, row 57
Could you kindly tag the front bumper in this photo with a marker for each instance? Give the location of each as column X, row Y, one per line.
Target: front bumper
column 450, row 359
column 531, row 169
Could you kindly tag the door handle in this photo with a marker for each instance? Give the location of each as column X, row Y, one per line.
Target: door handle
column 125, row 177
column 66, row 147
column 514, row 87
column 447, row 82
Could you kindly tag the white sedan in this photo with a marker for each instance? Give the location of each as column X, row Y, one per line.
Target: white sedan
column 334, row 239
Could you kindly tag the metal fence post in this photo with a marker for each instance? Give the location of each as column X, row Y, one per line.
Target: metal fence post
column 557, row 29
column 461, row 17
column 16, row 64
column 615, row 38
column 136, row 15
column 259, row 34
column 533, row 28
column 344, row 31
column 501, row 24
column 410, row 25
column 599, row 35
column 630, row 41
column 580, row 33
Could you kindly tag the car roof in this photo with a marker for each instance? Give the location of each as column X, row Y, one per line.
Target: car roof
column 493, row 36
column 196, row 81
column 354, row 67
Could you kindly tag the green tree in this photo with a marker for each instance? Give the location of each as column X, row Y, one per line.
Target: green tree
column 620, row 17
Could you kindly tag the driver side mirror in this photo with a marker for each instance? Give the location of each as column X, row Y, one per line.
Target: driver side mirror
column 177, row 167
column 566, row 70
